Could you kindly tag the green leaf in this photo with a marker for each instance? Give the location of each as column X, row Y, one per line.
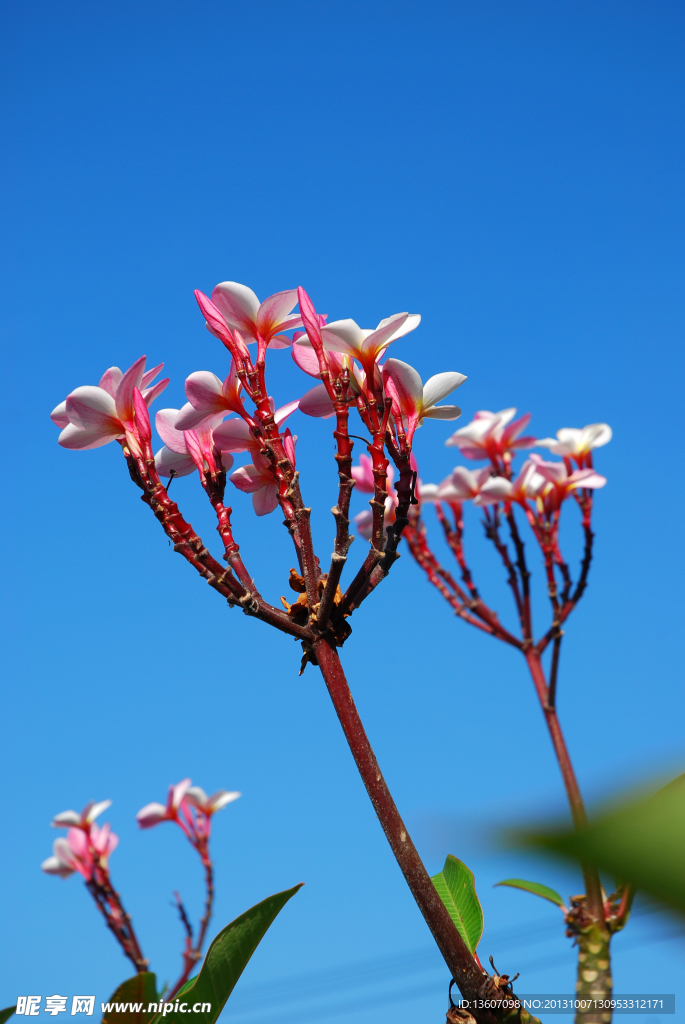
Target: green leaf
column 141, row 988
column 535, row 887
column 6, row 1014
column 457, row 890
column 226, row 960
column 641, row 841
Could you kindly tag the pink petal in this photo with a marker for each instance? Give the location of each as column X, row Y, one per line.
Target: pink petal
column 133, row 378
column 305, row 357
column 265, row 500
column 204, row 391
column 234, row 436
column 110, row 380
column 150, row 375
column 316, row 402
column 151, row 815
column 248, row 479
column 149, row 394
column 165, row 421
column 286, row 410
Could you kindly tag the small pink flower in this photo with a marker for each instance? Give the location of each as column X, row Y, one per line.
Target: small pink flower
column 208, row 396
column 492, row 435
column 257, row 321
column 92, row 416
column 462, row 485
column 367, row 346
column 80, row 850
column 90, row 812
column 235, row 435
column 187, row 450
column 528, row 484
column 576, row 443
column 256, row 478
column 210, row 804
column 561, row 482
column 412, row 401
column 154, row 813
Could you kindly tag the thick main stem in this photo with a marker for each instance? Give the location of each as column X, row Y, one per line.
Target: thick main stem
column 472, row 982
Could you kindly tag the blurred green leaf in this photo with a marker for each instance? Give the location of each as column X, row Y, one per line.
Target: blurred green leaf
column 226, row 960
column 457, row 890
column 6, row 1014
column 641, row 841
column 141, row 988
column 535, row 887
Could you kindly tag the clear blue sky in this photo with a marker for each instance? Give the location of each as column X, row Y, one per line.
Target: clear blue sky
column 513, row 172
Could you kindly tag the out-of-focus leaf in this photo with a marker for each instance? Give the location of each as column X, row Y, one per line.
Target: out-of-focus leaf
column 226, row 960
column 141, row 988
column 7, row 1013
column 457, row 890
column 641, row 841
column 535, row 887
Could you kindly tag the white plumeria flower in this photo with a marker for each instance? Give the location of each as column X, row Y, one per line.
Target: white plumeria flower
column 92, row 416
column 72, row 819
column 577, row 442
column 463, row 485
column 491, row 435
column 528, row 484
column 210, row 804
column 257, row 321
column 561, row 482
column 348, row 338
column 412, row 401
column 154, row 813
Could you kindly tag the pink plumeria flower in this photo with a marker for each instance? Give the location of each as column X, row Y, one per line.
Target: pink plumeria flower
column 186, row 451
column 461, row 485
column 412, row 401
column 364, row 482
column 92, row 416
column 257, row 479
column 576, row 443
column 347, row 338
column 208, row 396
column 75, row 853
column 562, row 482
column 235, row 435
column 528, row 484
column 210, row 804
column 90, row 812
column 492, row 435
column 262, row 322
column 154, row 813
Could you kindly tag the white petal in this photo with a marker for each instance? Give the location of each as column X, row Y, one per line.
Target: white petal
column 222, row 798
column 410, row 324
column 66, row 818
column 238, row 304
column 443, row 412
column 89, row 406
column 343, row 336
column 440, row 386
column 79, row 439
column 59, row 414
column 274, row 310
column 96, row 810
column 286, row 410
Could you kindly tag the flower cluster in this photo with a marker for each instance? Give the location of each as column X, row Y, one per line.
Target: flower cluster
column 190, row 808
column 87, row 846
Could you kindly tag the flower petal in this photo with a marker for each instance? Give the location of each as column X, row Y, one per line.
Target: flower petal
column 443, row 412
column 59, row 414
column 83, row 438
column 204, row 391
column 151, row 815
column 234, row 436
column 440, row 386
column 343, row 336
column 286, row 410
column 316, row 402
column 305, row 357
column 89, row 406
column 265, row 500
column 274, row 310
column 166, row 460
column 248, row 479
column 66, row 818
column 239, row 306
column 165, row 422
column 110, row 380
column 133, row 378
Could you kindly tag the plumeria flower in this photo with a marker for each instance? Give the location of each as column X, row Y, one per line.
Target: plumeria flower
column 186, row 451
column 235, row 435
column 263, row 322
column 528, row 484
column 461, row 485
column 576, row 443
column 92, row 416
column 210, row 804
column 208, row 396
column 562, row 482
column 492, row 435
column 346, row 337
column 412, row 401
column 154, row 813
column 76, row 852
column 257, row 479
column 90, row 812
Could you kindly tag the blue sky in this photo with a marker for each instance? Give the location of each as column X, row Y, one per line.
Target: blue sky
column 514, row 173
